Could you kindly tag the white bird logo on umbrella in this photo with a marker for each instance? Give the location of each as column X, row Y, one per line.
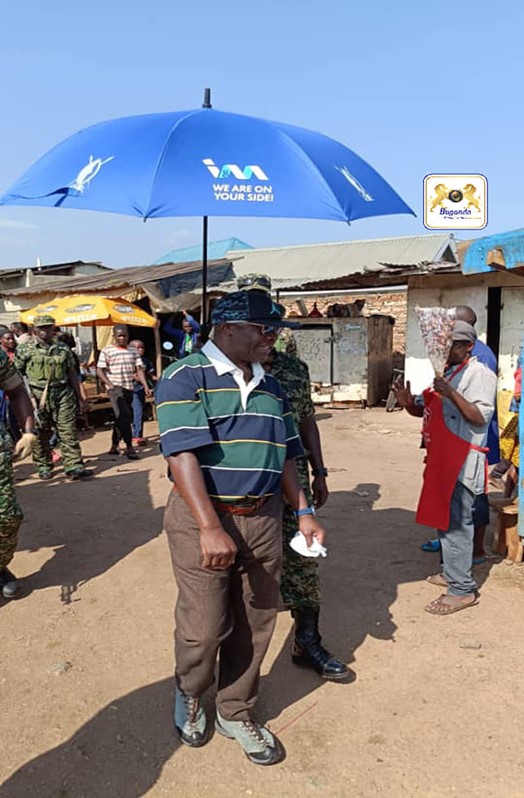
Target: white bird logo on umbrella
column 88, row 172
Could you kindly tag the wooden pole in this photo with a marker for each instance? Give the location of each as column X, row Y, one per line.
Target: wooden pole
column 95, row 355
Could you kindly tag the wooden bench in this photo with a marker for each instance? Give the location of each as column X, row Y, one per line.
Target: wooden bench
column 507, row 542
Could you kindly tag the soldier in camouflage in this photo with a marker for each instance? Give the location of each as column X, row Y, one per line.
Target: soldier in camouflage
column 300, row 584
column 49, row 368
column 10, row 513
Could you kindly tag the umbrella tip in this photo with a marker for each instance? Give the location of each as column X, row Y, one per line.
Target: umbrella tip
column 207, row 99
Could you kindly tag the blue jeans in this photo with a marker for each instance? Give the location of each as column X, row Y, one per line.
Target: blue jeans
column 457, row 543
column 139, row 401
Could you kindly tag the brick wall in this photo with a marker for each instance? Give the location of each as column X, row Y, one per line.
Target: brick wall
column 388, row 304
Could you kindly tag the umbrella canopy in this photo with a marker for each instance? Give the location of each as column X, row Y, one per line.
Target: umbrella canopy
column 206, row 163
column 90, row 311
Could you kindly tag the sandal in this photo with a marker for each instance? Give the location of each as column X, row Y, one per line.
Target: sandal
column 446, row 604
column 431, row 545
column 437, row 579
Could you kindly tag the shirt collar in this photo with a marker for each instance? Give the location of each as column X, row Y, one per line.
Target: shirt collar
column 470, row 359
column 223, row 365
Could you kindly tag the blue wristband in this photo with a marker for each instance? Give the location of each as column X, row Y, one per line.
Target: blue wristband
column 305, row 511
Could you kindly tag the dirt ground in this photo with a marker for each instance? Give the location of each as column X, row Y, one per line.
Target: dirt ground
column 86, row 652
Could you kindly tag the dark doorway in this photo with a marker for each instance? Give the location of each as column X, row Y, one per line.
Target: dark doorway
column 494, row 308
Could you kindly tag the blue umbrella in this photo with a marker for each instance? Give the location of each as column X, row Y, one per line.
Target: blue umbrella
column 205, row 163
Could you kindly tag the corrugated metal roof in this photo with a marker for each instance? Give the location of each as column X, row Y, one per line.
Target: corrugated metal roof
column 120, row 279
column 303, row 265
column 49, row 268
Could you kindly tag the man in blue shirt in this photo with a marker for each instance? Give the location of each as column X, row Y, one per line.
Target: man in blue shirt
column 185, row 337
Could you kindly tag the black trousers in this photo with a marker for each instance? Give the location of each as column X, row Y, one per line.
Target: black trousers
column 122, row 403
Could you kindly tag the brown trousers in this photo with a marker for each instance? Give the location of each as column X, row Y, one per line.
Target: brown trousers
column 231, row 613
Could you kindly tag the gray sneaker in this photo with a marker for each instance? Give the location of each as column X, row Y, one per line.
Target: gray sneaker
column 259, row 745
column 190, row 720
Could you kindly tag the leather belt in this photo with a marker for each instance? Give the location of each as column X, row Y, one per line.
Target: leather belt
column 241, row 508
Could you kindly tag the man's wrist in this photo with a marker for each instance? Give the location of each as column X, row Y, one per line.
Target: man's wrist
column 319, row 472
column 305, row 511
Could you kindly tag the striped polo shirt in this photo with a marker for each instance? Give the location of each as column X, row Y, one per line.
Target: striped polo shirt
column 241, row 433
column 121, row 363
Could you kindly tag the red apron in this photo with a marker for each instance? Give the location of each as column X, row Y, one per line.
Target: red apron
column 446, row 454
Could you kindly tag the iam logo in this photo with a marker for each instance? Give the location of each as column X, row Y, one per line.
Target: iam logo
column 233, row 170
column 88, row 172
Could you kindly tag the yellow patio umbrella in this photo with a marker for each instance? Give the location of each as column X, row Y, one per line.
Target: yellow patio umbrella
column 90, row 310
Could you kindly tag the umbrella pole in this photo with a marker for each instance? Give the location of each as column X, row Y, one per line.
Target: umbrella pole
column 204, row 312
column 204, row 316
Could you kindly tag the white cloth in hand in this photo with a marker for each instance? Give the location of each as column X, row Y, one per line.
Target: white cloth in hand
column 299, row 544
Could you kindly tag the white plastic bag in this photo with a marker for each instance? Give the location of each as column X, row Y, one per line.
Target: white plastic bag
column 436, row 326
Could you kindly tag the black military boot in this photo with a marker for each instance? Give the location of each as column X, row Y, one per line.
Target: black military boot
column 308, row 650
column 8, row 583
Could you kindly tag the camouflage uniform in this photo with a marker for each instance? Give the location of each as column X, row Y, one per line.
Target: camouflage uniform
column 286, row 342
column 44, row 365
column 300, row 586
column 10, row 513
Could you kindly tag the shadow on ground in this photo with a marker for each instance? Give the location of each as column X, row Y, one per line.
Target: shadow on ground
column 122, row 750
column 371, row 552
column 90, row 525
column 119, row 753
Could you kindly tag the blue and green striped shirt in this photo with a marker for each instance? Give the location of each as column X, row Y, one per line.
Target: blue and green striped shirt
column 241, row 434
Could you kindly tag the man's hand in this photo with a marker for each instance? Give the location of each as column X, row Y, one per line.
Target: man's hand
column 148, row 392
column 25, row 445
column 311, row 528
column 83, row 405
column 218, row 548
column 442, row 387
column 320, row 491
column 403, row 393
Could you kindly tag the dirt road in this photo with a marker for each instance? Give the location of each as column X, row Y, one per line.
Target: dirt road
column 86, row 653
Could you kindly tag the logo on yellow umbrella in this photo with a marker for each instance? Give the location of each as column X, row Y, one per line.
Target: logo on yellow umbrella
column 79, row 309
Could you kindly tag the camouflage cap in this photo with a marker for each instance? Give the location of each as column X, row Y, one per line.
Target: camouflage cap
column 254, row 282
column 256, row 307
column 44, row 321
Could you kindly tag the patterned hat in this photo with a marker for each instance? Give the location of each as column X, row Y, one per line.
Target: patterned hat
column 256, row 307
column 43, row 321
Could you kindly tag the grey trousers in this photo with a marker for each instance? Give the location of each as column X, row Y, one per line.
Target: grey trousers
column 228, row 613
column 457, row 543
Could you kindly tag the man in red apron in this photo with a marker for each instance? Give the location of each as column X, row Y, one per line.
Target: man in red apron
column 457, row 411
